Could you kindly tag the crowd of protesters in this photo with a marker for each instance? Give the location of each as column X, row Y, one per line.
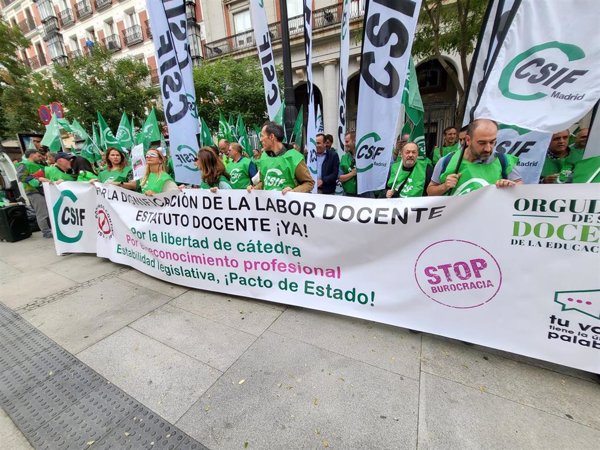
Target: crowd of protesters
column 466, row 154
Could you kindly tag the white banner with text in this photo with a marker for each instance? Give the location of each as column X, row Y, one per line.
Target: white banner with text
column 512, row 269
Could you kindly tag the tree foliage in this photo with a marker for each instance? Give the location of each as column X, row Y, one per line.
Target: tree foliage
column 100, row 83
column 11, row 68
column 450, row 27
column 232, row 87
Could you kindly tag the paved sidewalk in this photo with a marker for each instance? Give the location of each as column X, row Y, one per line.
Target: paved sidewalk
column 237, row 373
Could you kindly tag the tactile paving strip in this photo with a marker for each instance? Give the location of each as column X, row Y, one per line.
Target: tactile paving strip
column 60, row 403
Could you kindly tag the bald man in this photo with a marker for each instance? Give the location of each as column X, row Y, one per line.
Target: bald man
column 409, row 176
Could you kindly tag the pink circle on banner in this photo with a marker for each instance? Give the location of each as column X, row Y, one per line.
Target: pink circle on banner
column 458, row 274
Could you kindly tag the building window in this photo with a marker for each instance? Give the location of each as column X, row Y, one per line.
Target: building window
column 294, row 8
column 241, row 21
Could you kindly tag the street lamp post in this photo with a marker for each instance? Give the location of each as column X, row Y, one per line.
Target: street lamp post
column 288, row 90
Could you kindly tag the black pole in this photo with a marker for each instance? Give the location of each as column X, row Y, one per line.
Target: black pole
column 288, row 90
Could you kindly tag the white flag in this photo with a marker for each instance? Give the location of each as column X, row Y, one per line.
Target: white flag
column 388, row 37
column 545, row 76
column 492, row 34
column 344, row 59
column 529, row 146
column 168, row 25
column 311, row 127
column 265, row 54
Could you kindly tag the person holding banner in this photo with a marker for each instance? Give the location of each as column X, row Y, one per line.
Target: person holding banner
column 212, row 170
column 281, row 169
column 117, row 169
column 409, row 176
column 31, row 164
column 450, row 145
column 60, row 171
column 476, row 166
column 241, row 169
column 347, row 172
column 83, row 170
column 560, row 159
column 156, row 179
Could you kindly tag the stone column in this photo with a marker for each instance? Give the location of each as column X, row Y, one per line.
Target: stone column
column 330, row 96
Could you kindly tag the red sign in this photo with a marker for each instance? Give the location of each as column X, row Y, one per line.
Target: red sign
column 45, row 114
column 57, row 109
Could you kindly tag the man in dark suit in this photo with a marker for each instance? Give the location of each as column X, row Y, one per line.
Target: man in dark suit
column 328, row 165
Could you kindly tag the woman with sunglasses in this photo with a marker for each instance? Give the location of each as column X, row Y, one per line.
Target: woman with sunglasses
column 212, row 170
column 156, row 179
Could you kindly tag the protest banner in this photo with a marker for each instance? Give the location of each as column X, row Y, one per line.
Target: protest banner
column 388, row 36
column 545, row 74
column 513, row 269
column 169, row 31
column 262, row 37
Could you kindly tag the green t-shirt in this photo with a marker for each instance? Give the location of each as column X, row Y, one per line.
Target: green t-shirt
column 415, row 186
column 562, row 166
column 587, row 170
column 440, row 153
column 476, row 175
column 53, row 173
column 154, row 182
column 30, row 168
column 238, row 173
column 347, row 164
column 117, row 176
column 279, row 172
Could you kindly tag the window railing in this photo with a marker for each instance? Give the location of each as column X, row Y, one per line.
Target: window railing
column 50, row 27
column 322, row 18
column 133, row 35
column 66, row 17
column 83, row 9
column 101, row 4
column 112, row 42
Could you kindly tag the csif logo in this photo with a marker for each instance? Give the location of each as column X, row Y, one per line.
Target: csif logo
column 544, row 68
column 67, row 217
column 368, row 149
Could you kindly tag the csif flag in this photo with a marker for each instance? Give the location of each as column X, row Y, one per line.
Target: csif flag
column 107, row 139
column 384, row 64
column 51, row 137
column 242, row 135
column 413, row 107
column 125, row 133
column 311, row 127
column 262, row 37
column 344, row 61
column 545, row 72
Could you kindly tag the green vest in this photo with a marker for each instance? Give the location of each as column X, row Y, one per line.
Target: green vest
column 587, row 170
column 118, row 176
column 562, row 166
column 30, row 169
column 439, row 154
column 53, row 173
column 279, row 172
column 154, row 182
column 347, row 163
column 222, row 179
column 475, row 176
column 415, row 186
column 238, row 173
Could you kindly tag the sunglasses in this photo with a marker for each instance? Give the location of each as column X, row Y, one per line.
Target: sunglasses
column 152, row 155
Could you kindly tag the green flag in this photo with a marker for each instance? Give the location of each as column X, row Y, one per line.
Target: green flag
column 413, row 106
column 107, row 138
column 297, row 132
column 150, row 132
column 206, row 138
column 65, row 125
column 279, row 119
column 90, row 151
column 79, row 130
column 243, row 138
column 224, row 129
column 587, row 170
column 124, row 132
column 51, row 138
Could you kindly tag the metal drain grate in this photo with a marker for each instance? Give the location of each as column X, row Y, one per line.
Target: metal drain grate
column 60, row 403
